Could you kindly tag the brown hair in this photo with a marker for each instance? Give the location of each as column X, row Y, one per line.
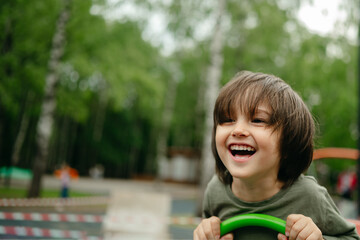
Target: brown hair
column 289, row 115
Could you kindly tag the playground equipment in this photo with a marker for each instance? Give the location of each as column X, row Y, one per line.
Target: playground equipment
column 343, row 153
column 252, row 219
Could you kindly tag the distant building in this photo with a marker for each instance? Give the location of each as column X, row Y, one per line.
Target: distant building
column 182, row 165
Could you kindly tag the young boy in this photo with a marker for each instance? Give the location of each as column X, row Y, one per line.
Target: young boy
column 262, row 143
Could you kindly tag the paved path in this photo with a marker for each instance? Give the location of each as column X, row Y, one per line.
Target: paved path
column 183, row 201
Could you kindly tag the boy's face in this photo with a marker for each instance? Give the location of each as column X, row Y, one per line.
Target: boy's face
column 249, row 148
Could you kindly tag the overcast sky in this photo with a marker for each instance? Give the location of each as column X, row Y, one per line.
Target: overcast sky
column 319, row 17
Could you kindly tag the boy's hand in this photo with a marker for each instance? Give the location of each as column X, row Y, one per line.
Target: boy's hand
column 210, row 229
column 300, row 227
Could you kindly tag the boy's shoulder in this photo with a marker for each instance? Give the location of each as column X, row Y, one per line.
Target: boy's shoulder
column 306, row 181
column 215, row 182
column 308, row 184
column 215, row 185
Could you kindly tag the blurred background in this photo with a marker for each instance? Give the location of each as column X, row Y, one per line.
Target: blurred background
column 133, row 75
column 122, row 89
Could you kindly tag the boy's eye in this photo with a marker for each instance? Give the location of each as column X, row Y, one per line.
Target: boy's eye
column 258, row 120
column 227, row 120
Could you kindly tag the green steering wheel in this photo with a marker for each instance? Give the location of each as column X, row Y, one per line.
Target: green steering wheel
column 252, row 219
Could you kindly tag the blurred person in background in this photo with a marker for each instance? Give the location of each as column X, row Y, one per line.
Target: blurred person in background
column 65, row 174
column 345, row 187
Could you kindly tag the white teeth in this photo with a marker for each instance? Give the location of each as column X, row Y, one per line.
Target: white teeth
column 242, row 148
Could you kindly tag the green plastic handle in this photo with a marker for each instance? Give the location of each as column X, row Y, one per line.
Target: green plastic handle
column 252, row 219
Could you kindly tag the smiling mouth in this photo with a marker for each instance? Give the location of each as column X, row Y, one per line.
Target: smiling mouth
column 241, row 150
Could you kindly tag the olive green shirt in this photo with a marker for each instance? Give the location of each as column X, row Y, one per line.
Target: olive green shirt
column 305, row 197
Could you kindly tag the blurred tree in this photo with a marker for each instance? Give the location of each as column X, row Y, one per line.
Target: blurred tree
column 22, row 60
column 167, row 114
column 24, row 123
column 124, row 80
column 46, row 118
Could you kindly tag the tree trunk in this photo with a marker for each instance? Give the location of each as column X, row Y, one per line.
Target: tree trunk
column 167, row 114
column 44, row 126
column 99, row 118
column 212, row 82
column 19, row 138
column 22, row 130
column 64, row 140
column 101, row 110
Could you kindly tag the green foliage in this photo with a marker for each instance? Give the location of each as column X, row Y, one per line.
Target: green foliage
column 187, row 128
column 24, row 49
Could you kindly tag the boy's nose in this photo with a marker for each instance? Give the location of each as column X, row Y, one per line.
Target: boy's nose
column 240, row 131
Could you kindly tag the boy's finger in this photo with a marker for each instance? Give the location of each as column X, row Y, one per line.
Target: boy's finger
column 201, row 235
column 290, row 221
column 298, row 228
column 281, row 237
column 211, row 228
column 215, row 226
column 228, row 236
column 199, row 232
column 305, row 233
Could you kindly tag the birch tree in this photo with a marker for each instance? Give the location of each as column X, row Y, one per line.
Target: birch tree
column 46, row 119
column 213, row 77
column 167, row 115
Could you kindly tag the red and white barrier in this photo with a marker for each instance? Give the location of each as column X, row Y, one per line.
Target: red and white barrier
column 52, row 217
column 52, row 202
column 85, row 218
column 42, row 232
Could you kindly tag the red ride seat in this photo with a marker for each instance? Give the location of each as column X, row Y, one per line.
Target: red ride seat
column 357, row 224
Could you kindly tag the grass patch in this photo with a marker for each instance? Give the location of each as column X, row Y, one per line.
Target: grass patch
column 13, row 192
